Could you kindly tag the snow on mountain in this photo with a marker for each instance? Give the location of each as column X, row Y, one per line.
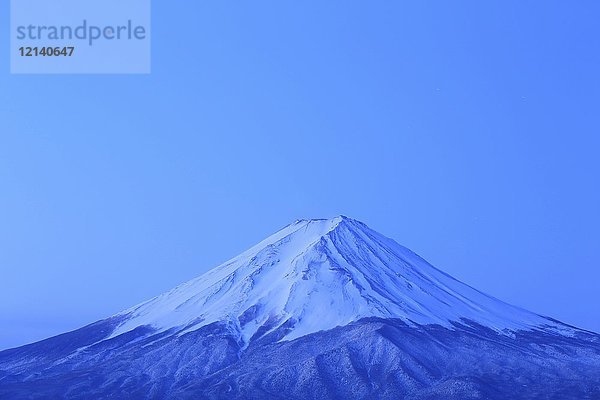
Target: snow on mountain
column 314, row 275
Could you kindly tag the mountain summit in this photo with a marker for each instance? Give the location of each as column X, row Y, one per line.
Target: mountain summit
column 322, row 309
column 317, row 274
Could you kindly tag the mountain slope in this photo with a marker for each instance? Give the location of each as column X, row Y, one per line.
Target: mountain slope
column 340, row 264
column 322, row 309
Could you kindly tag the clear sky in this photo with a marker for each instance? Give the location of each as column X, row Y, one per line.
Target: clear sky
column 467, row 131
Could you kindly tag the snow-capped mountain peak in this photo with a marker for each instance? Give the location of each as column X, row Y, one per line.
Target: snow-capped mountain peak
column 317, row 274
column 287, row 319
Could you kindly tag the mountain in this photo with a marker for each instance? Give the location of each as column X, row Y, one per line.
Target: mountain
column 322, row 309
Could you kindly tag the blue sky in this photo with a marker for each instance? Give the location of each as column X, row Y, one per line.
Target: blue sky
column 467, row 131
